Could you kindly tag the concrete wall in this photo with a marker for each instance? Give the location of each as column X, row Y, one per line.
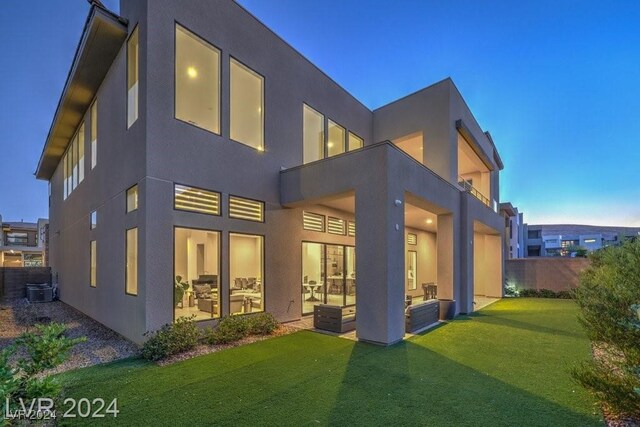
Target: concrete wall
column 557, row 274
column 13, row 281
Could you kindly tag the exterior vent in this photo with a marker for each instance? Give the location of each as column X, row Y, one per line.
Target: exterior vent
column 336, row 226
column 352, row 229
column 412, row 239
column 313, row 222
column 196, row 200
column 39, row 293
column 250, row 210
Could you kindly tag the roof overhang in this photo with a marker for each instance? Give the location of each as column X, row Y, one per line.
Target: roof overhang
column 508, row 208
column 474, row 144
column 103, row 35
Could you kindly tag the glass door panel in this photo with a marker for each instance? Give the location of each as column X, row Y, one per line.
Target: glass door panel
column 313, row 274
column 334, row 291
column 350, row 275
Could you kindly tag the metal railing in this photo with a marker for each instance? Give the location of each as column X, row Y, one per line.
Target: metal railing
column 468, row 187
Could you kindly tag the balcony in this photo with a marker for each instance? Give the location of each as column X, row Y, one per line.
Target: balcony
column 465, row 185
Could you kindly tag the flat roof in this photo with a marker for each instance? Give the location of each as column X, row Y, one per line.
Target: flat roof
column 102, row 37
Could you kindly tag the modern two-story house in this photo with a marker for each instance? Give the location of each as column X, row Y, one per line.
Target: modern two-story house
column 24, row 244
column 201, row 166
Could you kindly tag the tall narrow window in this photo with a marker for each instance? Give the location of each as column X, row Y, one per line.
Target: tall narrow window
column 81, row 153
column 197, row 85
column 94, row 134
column 132, row 78
column 131, row 268
column 355, row 141
column 335, row 141
column 65, row 175
column 196, row 284
column 247, row 106
column 246, row 273
column 74, row 162
column 132, row 198
column 92, row 265
column 93, row 220
column 312, row 135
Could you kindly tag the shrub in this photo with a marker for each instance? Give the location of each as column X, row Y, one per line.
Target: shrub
column 230, row 329
column 46, row 347
column 171, row 339
column 545, row 293
column 608, row 297
column 262, row 324
column 510, row 290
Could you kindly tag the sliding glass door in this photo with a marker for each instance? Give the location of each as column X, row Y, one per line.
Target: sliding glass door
column 328, row 275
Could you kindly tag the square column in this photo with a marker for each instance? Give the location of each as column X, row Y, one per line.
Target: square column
column 380, row 265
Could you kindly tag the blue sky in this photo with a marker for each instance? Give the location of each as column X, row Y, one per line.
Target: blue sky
column 556, row 84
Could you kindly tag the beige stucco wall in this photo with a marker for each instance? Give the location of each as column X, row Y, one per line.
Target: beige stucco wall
column 557, row 274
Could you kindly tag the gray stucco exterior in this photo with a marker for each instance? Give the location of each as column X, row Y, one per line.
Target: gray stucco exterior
column 158, row 151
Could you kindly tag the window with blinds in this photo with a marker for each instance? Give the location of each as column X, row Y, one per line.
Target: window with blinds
column 247, row 209
column 336, row 226
column 196, row 200
column 351, row 229
column 312, row 221
column 412, row 239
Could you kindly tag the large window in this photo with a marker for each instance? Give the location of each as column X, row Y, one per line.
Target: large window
column 73, row 162
column 80, row 139
column 131, row 270
column 132, row 78
column 197, row 86
column 92, row 264
column 94, row 134
column 328, row 275
column 336, row 139
column 196, row 284
column 17, row 239
column 247, row 106
column 246, row 273
column 313, row 135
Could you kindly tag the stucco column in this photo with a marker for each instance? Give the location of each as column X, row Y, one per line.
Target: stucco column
column 445, row 245
column 380, row 263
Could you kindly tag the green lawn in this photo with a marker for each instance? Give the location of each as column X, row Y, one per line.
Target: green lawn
column 505, row 365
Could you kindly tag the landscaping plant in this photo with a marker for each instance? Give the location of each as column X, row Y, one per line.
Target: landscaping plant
column 609, row 298
column 171, row 339
column 45, row 347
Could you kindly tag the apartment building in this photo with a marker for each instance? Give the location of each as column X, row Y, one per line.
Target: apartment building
column 514, row 246
column 201, row 166
column 24, row 244
column 567, row 239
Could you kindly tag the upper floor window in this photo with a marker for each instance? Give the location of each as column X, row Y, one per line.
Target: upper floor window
column 73, row 162
column 94, row 134
column 93, row 220
column 247, row 209
column 132, row 198
column 197, row 81
column 336, row 139
column 196, row 200
column 355, row 141
column 132, row 78
column 17, row 239
column 247, row 106
column 80, row 138
column 312, row 135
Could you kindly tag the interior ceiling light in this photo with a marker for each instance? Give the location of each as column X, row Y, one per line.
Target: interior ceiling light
column 192, row 72
column 429, row 221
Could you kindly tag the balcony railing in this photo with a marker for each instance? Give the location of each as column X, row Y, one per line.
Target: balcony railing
column 466, row 186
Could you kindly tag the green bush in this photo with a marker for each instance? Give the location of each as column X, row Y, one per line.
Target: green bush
column 234, row 328
column 545, row 293
column 262, row 324
column 608, row 297
column 181, row 336
column 230, row 329
column 45, row 347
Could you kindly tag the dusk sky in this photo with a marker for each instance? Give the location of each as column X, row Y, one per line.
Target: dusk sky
column 557, row 83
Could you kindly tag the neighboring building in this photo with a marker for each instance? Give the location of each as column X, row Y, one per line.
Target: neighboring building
column 565, row 239
column 233, row 176
column 23, row 244
column 513, row 232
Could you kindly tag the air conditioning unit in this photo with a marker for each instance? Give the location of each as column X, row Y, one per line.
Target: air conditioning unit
column 39, row 292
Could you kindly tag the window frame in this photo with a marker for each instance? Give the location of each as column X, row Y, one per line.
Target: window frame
column 264, row 79
column 326, row 138
column 93, row 254
column 220, row 281
column 356, row 136
column 344, row 225
column 197, row 188
column 137, row 33
column 126, row 263
column 126, row 198
column 324, row 133
column 263, row 261
column 264, row 206
column 177, row 23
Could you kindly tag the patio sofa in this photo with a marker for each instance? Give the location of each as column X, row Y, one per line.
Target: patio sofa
column 421, row 315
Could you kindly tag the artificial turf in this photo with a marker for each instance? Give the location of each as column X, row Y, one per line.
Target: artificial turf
column 504, row 365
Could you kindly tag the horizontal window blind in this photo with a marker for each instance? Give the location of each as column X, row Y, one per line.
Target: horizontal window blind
column 196, row 200
column 312, row 221
column 250, row 210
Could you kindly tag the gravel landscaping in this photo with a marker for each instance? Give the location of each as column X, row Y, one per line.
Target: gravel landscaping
column 102, row 344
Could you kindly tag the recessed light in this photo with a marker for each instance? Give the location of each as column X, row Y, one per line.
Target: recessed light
column 192, row 72
column 429, row 221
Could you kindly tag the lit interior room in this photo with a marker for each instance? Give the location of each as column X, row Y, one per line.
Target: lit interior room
column 246, row 257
